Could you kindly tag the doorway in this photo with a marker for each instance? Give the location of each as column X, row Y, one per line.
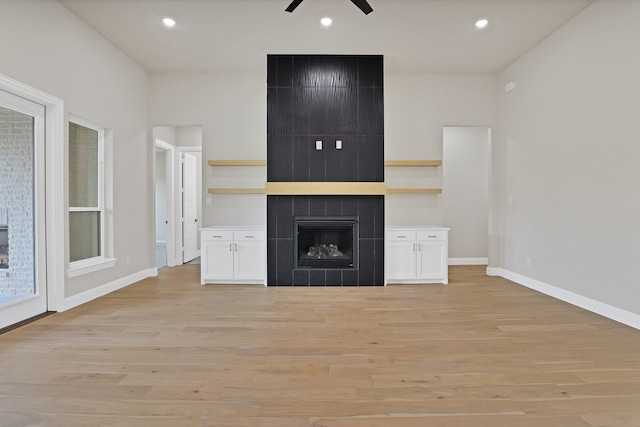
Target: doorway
column 23, row 287
column 465, row 192
column 178, row 195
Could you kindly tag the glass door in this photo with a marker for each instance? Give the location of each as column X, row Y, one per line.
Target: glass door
column 23, row 292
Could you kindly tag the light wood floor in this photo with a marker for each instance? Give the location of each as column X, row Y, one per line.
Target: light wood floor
column 169, row 352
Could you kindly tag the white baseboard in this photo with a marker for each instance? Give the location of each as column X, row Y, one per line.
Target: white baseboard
column 606, row 310
column 468, row 261
column 91, row 294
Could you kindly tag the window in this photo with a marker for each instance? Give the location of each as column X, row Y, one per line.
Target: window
column 87, row 175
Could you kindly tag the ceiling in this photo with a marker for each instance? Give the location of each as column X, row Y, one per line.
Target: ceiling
column 236, row 35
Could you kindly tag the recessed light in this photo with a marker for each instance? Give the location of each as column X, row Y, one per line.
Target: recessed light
column 168, row 22
column 326, row 21
column 482, row 23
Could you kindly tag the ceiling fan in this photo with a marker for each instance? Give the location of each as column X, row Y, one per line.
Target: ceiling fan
column 363, row 5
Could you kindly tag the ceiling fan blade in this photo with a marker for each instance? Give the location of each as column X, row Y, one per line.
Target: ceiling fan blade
column 293, row 5
column 363, row 5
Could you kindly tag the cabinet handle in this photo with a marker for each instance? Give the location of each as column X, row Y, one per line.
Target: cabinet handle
column 217, row 237
column 432, row 237
column 419, row 247
column 230, row 247
column 401, row 237
column 236, row 245
column 248, row 237
column 414, row 247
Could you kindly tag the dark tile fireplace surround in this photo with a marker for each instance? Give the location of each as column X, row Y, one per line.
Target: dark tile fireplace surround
column 325, row 240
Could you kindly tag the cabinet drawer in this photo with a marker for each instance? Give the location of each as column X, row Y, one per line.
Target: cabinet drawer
column 216, row 235
column 248, row 236
column 432, row 235
column 400, row 235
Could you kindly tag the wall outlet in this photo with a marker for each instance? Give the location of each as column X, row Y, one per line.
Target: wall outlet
column 128, row 261
column 318, row 145
column 528, row 262
column 338, row 145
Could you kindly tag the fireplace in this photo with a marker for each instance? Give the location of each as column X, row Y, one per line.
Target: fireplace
column 325, row 125
column 361, row 216
column 326, row 242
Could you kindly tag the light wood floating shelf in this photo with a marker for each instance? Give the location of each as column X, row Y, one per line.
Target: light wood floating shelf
column 236, row 191
column 326, row 188
column 413, row 162
column 414, row 190
column 237, row 162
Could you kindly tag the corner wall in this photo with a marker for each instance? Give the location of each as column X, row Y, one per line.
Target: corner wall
column 417, row 107
column 232, row 110
column 45, row 46
column 568, row 157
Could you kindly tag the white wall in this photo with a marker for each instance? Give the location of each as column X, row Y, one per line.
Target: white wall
column 417, row 107
column 166, row 134
column 45, row 46
column 189, row 136
column 232, row 110
column 569, row 155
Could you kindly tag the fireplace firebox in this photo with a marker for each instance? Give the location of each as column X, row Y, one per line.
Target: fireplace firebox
column 326, row 242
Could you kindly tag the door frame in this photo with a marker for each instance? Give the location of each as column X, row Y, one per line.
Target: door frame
column 170, row 200
column 55, row 148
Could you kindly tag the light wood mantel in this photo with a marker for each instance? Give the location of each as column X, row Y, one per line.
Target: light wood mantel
column 237, row 162
column 428, row 163
column 326, row 188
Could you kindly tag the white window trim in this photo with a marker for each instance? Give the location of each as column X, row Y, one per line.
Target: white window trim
column 106, row 259
column 90, row 265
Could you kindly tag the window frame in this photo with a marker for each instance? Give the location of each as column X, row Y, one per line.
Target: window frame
column 105, row 174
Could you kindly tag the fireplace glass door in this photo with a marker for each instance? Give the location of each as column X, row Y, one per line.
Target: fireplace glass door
column 326, row 242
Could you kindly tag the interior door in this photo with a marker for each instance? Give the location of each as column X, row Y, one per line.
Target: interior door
column 23, row 291
column 190, row 206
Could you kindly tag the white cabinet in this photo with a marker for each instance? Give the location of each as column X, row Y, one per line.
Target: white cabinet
column 417, row 255
column 233, row 255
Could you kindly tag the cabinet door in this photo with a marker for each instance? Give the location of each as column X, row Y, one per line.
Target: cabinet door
column 217, row 260
column 401, row 260
column 249, row 260
column 432, row 260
